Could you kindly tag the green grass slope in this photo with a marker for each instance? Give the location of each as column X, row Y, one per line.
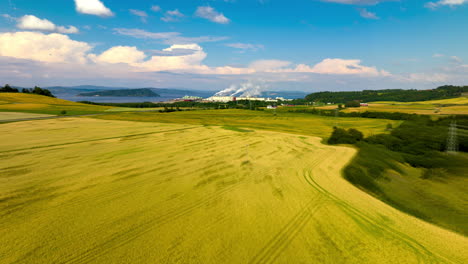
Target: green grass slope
column 32, row 103
column 438, row 196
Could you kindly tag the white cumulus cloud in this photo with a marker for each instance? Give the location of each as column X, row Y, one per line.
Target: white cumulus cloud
column 55, row 50
column 38, row 46
column 183, row 62
column 120, row 54
column 211, row 14
column 93, row 7
column 327, row 67
column 30, row 22
column 341, row 66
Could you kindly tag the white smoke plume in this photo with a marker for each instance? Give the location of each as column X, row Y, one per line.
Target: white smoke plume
column 247, row 89
column 226, row 92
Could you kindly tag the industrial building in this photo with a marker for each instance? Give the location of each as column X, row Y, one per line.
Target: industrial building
column 226, row 99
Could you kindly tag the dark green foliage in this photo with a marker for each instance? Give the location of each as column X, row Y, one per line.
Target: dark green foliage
column 370, row 164
column 35, row 90
column 63, row 112
column 352, row 104
column 422, row 135
column 399, row 95
column 367, row 114
column 8, row 89
column 419, row 143
column 143, row 92
column 40, row 91
column 243, row 104
column 342, row 136
column 355, row 134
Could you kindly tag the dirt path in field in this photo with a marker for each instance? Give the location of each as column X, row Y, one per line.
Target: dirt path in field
column 44, row 118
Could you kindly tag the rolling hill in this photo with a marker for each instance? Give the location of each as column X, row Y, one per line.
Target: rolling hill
column 143, row 92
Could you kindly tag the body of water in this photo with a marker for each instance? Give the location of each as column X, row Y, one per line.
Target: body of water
column 112, row 99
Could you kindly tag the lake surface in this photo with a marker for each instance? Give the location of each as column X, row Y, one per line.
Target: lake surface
column 113, row 99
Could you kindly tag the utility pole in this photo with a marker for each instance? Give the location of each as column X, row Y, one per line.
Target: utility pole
column 452, row 144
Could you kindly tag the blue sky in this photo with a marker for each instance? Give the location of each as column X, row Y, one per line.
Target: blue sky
column 306, row 45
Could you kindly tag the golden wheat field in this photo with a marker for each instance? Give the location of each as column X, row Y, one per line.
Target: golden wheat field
column 8, row 116
column 80, row 190
column 454, row 106
column 32, row 103
column 297, row 123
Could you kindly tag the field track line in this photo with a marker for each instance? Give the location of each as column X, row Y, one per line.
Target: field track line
column 45, row 118
column 273, row 248
column 135, row 232
column 283, row 238
column 422, row 254
column 99, row 139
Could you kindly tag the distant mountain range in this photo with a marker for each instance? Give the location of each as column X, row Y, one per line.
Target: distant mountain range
column 143, row 92
column 72, row 93
column 163, row 92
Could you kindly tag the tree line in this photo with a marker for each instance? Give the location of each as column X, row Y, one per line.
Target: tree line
column 419, row 142
column 36, row 90
column 241, row 104
column 366, row 114
column 400, row 95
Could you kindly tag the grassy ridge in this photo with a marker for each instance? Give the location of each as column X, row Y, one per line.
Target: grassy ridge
column 31, row 103
column 438, row 199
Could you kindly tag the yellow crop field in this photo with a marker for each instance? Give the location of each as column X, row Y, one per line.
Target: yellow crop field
column 304, row 124
column 454, row 106
column 107, row 191
column 459, row 100
column 132, row 109
column 7, row 116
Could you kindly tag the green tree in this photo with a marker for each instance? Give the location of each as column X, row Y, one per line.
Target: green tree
column 343, row 136
column 8, row 89
column 352, row 104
